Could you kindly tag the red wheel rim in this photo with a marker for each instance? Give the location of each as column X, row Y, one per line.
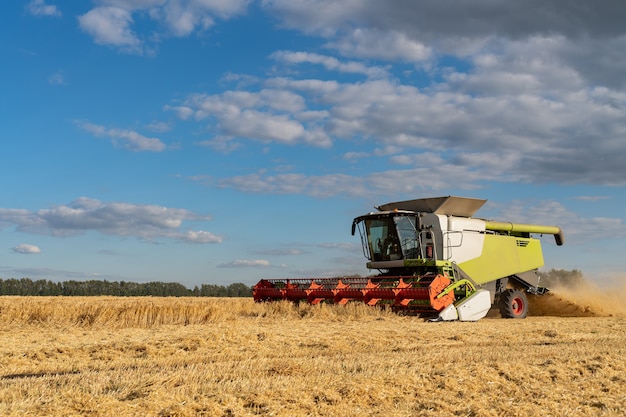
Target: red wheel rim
column 517, row 306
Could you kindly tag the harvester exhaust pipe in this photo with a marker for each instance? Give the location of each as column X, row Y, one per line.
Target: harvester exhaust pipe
column 527, row 228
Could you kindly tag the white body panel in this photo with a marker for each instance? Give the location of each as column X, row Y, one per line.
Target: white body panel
column 474, row 307
column 464, row 239
column 457, row 239
column 449, row 313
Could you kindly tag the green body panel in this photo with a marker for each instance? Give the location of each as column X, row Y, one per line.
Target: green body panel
column 417, row 263
column 519, row 227
column 503, row 256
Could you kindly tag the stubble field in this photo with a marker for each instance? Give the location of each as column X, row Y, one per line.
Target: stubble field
column 105, row 356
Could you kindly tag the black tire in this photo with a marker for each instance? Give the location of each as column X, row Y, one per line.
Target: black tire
column 513, row 304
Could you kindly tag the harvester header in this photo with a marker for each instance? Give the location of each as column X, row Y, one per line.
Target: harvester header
column 434, row 258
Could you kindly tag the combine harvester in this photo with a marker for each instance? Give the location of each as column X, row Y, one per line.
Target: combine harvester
column 434, row 259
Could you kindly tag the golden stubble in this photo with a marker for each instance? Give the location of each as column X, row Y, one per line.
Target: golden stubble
column 106, row 356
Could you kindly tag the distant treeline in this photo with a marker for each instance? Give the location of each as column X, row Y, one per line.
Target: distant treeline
column 26, row 287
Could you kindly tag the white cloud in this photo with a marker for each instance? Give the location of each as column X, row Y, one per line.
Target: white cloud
column 270, row 115
column 112, row 22
column 220, row 144
column 544, row 137
column 591, row 198
column 350, row 247
column 182, row 112
column 127, row 139
column 323, row 17
column 111, row 26
column 161, row 127
column 405, row 30
column 184, row 17
column 450, row 19
column 576, row 229
column 25, row 248
column 23, row 218
column 57, row 79
column 527, row 126
column 181, row 20
column 264, row 126
column 520, row 100
column 246, row 263
column 386, row 45
column 40, row 8
column 136, row 142
column 318, row 186
column 200, row 236
column 146, row 222
column 429, row 172
column 330, row 63
column 282, row 252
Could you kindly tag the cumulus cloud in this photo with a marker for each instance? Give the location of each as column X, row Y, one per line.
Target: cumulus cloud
column 199, row 236
column 503, row 91
column 270, row 115
column 534, row 129
column 40, row 8
column 576, row 228
column 590, row 36
column 433, row 174
column 127, row 139
column 385, row 45
column 182, row 18
column 246, row 263
column 111, row 23
column 435, row 137
column 330, row 63
column 25, row 248
column 147, row 222
column 449, row 21
column 111, row 26
column 292, row 183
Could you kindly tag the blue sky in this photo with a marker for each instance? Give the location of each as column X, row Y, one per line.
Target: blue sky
column 221, row 141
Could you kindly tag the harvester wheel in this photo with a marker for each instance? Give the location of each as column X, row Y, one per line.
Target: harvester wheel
column 513, row 304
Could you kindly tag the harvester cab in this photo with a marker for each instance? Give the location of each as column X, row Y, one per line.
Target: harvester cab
column 434, row 258
column 390, row 237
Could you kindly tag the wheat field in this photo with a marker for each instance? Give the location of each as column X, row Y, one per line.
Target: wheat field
column 105, row 356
